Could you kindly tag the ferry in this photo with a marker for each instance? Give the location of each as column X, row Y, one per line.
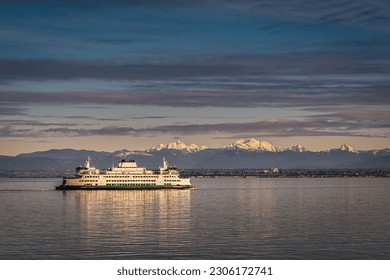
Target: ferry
column 126, row 176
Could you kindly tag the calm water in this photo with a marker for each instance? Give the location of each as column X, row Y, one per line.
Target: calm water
column 221, row 219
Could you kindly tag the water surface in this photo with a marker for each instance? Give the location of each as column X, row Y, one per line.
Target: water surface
column 224, row 218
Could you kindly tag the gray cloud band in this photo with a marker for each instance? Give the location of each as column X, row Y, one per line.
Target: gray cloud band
column 277, row 127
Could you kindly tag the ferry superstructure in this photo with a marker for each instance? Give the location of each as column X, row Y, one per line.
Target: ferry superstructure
column 127, row 175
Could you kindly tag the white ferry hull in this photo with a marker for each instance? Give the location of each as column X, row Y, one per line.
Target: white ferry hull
column 132, row 187
column 127, row 176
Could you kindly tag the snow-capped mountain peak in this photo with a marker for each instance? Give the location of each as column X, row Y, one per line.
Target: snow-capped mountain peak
column 347, row 148
column 252, row 144
column 126, row 153
column 344, row 148
column 178, row 145
column 297, row 148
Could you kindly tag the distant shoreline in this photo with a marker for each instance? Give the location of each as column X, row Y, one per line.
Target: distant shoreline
column 290, row 173
column 229, row 173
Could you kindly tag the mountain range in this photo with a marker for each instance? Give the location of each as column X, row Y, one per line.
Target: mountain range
column 243, row 153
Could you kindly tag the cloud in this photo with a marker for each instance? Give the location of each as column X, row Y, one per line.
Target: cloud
column 366, row 13
column 32, row 123
column 373, row 13
column 228, row 81
column 232, row 66
column 274, row 127
column 277, row 127
column 11, row 111
column 11, row 131
column 202, row 98
column 358, row 118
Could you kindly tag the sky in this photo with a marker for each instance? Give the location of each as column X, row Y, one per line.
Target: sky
column 109, row 75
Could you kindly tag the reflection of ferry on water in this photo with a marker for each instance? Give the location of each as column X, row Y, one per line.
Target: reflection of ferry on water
column 126, row 176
